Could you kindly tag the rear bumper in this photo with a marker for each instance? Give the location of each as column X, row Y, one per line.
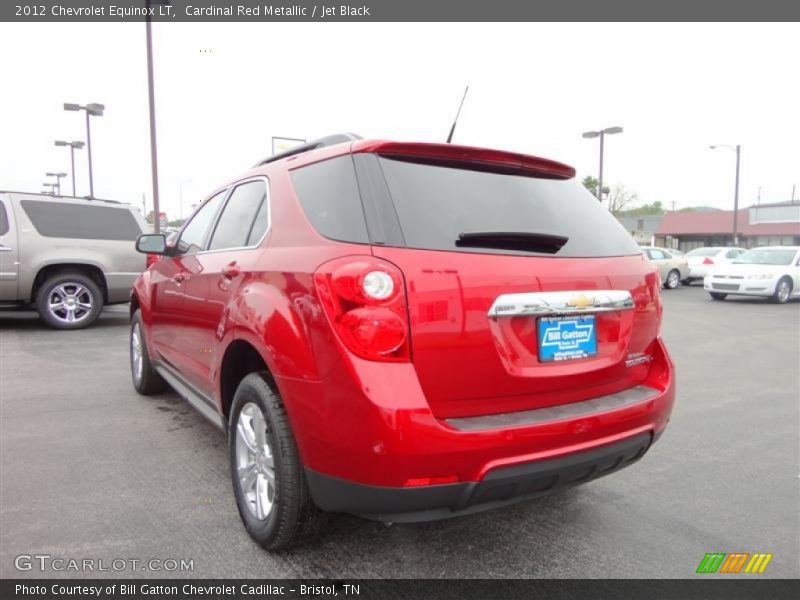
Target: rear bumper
column 698, row 271
column 369, row 433
column 500, row 487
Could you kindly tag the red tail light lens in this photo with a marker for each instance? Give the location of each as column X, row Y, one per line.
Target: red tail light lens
column 708, row 261
column 364, row 299
column 151, row 260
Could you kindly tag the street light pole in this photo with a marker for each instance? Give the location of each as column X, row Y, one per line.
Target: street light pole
column 95, row 110
column 600, row 176
column 153, row 145
column 72, row 146
column 738, row 150
column 57, row 184
column 602, row 135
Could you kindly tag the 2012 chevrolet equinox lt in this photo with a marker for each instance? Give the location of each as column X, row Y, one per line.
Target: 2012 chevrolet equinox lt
column 405, row 332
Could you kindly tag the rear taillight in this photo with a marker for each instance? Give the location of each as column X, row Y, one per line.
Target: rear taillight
column 708, row 261
column 152, row 259
column 364, row 299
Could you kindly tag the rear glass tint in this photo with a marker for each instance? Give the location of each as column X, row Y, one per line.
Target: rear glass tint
column 436, row 204
column 328, row 192
column 82, row 222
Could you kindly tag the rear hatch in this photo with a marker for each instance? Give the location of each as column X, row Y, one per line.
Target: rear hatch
column 556, row 237
column 523, row 291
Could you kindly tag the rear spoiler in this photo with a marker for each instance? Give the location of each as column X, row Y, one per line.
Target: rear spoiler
column 466, row 157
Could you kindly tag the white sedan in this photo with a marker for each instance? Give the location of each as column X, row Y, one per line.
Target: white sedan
column 771, row 271
column 702, row 260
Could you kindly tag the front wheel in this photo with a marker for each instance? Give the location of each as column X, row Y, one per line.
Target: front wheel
column 718, row 296
column 673, row 279
column 69, row 301
column 782, row 291
column 268, row 480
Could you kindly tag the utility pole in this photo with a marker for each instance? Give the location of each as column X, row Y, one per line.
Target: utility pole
column 738, row 150
column 153, row 146
column 736, row 199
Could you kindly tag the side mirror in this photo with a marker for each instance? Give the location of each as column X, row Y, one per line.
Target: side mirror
column 152, row 243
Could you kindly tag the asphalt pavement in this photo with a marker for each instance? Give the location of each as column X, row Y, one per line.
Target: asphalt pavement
column 91, row 470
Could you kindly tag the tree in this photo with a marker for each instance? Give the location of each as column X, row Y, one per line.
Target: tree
column 656, row 208
column 619, row 198
column 590, row 183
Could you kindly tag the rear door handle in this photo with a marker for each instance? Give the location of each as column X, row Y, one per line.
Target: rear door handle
column 5, row 249
column 231, row 270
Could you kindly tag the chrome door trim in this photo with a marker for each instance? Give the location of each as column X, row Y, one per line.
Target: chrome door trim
column 574, row 302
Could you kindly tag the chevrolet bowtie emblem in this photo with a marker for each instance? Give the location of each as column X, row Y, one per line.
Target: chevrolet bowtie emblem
column 580, row 302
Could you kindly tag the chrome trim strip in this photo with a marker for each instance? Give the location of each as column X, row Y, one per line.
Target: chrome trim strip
column 543, row 303
column 537, row 416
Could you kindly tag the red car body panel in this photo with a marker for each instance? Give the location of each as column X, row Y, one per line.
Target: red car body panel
column 385, row 423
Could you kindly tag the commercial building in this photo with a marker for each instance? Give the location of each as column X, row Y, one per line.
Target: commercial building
column 776, row 224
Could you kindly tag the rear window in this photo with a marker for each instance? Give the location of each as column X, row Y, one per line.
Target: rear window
column 703, row 252
column 436, row 204
column 328, row 192
column 82, row 222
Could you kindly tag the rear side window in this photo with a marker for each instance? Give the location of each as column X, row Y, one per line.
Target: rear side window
column 235, row 225
column 436, row 204
column 328, row 193
column 3, row 219
column 82, row 222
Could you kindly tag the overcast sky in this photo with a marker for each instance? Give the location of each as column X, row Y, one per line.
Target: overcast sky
column 223, row 90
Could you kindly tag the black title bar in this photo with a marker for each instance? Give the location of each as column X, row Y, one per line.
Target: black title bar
column 397, row 10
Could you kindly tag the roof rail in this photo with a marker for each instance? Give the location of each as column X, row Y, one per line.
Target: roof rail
column 67, row 196
column 330, row 140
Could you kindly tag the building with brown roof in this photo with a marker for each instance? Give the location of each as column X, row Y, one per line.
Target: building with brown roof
column 776, row 224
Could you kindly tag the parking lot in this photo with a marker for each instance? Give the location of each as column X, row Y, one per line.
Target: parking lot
column 90, row 469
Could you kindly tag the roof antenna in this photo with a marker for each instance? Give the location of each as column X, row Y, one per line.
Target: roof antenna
column 453, row 128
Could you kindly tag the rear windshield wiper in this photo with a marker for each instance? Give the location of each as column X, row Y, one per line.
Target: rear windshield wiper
column 525, row 241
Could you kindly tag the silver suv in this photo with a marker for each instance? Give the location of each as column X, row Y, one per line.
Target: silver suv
column 68, row 256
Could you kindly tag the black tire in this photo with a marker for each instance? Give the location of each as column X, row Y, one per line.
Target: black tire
column 778, row 297
column 675, row 280
column 149, row 382
column 293, row 518
column 60, row 286
column 718, row 296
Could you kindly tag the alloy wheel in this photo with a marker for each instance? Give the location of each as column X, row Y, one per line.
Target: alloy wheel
column 137, row 357
column 70, row 302
column 254, row 461
column 672, row 280
column 783, row 291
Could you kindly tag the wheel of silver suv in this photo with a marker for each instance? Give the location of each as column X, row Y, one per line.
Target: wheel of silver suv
column 70, row 302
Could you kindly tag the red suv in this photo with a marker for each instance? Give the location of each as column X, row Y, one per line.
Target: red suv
column 405, row 332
